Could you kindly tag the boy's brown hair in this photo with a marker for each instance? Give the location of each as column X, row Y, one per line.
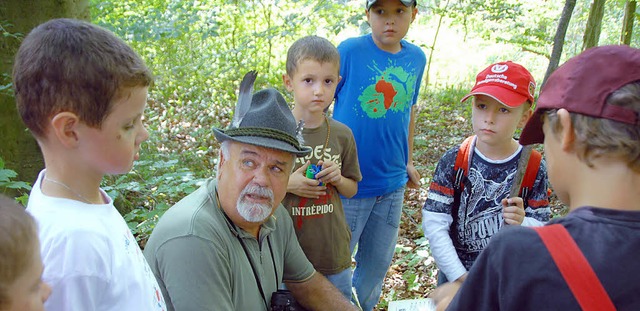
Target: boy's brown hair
column 18, row 242
column 75, row 66
column 601, row 90
column 311, row 48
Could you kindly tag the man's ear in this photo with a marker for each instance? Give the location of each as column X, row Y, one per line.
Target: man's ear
column 221, row 160
column 64, row 127
column 567, row 136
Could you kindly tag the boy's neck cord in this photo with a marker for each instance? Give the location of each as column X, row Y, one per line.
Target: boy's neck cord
column 59, row 183
column 326, row 141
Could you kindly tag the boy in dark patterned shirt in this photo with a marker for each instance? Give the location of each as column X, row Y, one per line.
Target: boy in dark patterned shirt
column 459, row 224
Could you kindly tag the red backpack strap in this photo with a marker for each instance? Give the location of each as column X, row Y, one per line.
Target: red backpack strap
column 530, row 174
column 461, row 166
column 575, row 269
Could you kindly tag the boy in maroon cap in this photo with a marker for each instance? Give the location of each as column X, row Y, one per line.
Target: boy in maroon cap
column 587, row 117
column 460, row 216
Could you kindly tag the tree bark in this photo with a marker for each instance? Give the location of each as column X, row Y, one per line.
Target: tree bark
column 627, row 22
column 594, row 25
column 558, row 40
column 432, row 49
column 18, row 148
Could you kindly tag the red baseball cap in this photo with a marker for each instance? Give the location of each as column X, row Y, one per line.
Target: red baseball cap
column 583, row 84
column 507, row 82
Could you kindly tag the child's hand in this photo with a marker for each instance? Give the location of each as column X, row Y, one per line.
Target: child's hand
column 513, row 211
column 444, row 293
column 302, row 186
column 414, row 177
column 330, row 173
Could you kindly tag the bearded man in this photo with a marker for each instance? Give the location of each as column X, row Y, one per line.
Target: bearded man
column 230, row 244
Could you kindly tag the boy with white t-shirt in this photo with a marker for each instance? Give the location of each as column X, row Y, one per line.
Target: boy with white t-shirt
column 82, row 92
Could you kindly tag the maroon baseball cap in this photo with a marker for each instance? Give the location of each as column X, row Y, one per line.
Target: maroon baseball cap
column 507, row 82
column 582, row 85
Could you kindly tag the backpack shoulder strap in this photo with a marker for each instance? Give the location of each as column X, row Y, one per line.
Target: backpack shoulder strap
column 460, row 170
column 530, row 174
column 461, row 166
column 575, row 268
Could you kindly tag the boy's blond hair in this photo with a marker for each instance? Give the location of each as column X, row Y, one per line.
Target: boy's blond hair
column 18, row 242
column 311, row 48
column 598, row 137
column 75, row 66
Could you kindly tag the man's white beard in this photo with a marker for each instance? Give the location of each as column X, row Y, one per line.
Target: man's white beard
column 255, row 212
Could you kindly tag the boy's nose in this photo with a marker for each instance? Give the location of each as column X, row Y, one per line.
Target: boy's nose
column 46, row 292
column 144, row 135
column 490, row 117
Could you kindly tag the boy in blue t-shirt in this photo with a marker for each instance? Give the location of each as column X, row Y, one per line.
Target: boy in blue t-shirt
column 381, row 77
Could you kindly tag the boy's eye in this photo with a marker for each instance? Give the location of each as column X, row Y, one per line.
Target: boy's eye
column 504, row 110
column 328, row 81
column 307, row 80
column 481, row 106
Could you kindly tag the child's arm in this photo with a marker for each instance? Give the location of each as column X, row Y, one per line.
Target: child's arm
column 414, row 175
column 437, row 218
column 331, row 173
column 435, row 226
column 305, row 187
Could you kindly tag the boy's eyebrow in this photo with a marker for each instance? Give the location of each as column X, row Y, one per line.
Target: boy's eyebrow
column 137, row 116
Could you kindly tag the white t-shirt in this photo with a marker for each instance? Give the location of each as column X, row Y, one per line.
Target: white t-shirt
column 91, row 259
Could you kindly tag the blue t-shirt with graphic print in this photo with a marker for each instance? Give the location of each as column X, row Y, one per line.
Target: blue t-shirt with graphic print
column 374, row 99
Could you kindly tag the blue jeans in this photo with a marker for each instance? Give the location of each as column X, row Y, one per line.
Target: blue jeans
column 342, row 281
column 374, row 228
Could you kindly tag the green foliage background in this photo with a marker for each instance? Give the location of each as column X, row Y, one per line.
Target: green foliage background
column 199, row 50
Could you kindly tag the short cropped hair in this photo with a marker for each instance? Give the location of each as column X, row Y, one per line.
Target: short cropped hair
column 599, row 137
column 18, row 242
column 75, row 66
column 311, row 48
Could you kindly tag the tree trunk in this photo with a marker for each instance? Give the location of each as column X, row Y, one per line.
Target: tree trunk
column 627, row 23
column 558, row 40
column 594, row 25
column 432, row 49
column 18, row 148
